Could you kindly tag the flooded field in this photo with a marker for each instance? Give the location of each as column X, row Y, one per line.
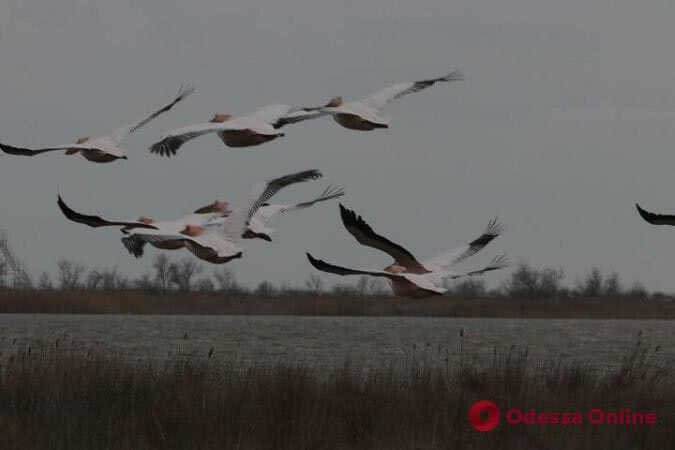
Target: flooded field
column 322, row 342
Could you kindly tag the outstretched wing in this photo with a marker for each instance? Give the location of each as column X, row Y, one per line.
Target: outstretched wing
column 238, row 221
column 388, row 94
column 449, row 258
column 498, row 262
column 365, row 235
column 267, row 211
column 297, row 115
column 98, row 221
column 655, row 219
column 28, row 152
column 421, row 281
column 122, row 132
column 339, row 270
column 174, row 139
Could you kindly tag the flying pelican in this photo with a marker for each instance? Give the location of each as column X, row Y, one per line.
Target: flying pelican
column 258, row 229
column 213, row 218
column 364, row 114
column 242, row 131
column 655, row 219
column 409, row 277
column 220, row 244
column 102, row 149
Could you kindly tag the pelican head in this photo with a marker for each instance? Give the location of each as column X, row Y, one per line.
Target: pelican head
column 220, row 117
column 394, row 268
column 192, row 230
column 334, row 102
column 146, row 220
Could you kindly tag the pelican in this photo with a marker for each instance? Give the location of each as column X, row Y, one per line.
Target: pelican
column 220, row 244
column 409, row 277
column 655, row 219
column 102, row 149
column 242, row 131
column 364, row 114
column 212, row 218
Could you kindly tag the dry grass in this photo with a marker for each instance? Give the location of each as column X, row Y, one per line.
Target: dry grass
column 53, row 397
column 138, row 302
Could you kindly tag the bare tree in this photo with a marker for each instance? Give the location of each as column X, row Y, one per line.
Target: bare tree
column 613, row 286
column 145, row 283
column 205, row 284
column 162, row 265
column 592, row 284
column 182, row 273
column 93, row 280
column 4, row 270
column 264, row 289
column 45, row 282
column 314, row 284
column 226, row 281
column 70, row 275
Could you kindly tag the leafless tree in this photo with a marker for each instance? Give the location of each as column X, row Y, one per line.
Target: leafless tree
column 205, row 284
column 70, row 275
column 182, row 273
column 314, row 284
column 45, row 282
column 226, row 281
column 264, row 289
column 162, row 265
column 145, row 283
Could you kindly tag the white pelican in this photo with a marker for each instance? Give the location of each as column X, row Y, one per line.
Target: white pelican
column 258, row 228
column 213, row 218
column 105, row 148
column 220, row 244
column 242, row 131
column 655, row 219
column 364, row 114
column 409, row 277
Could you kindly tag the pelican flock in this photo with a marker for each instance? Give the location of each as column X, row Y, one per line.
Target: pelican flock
column 102, row 149
column 215, row 232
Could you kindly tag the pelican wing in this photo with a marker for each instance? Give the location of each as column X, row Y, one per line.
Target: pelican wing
column 418, row 280
column 365, row 235
column 449, row 258
column 98, row 221
column 498, row 262
column 172, row 141
column 267, row 211
column 655, row 219
column 122, row 132
column 297, row 115
column 29, row 152
column 134, row 245
column 271, row 113
column 238, row 221
column 388, row 94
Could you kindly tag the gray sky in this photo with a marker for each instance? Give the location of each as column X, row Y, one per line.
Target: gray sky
column 563, row 123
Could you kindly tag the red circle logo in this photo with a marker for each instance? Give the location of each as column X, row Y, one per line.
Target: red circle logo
column 484, row 415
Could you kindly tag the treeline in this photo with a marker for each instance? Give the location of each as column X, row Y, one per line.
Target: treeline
column 187, row 275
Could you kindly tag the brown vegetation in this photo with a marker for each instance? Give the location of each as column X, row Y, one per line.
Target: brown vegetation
column 55, row 397
column 142, row 302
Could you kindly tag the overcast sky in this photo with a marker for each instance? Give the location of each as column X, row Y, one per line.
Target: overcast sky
column 565, row 120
